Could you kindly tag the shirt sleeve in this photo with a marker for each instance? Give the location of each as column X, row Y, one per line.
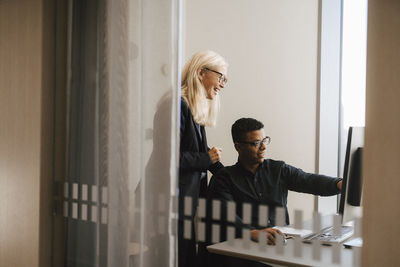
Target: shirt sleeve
column 297, row 180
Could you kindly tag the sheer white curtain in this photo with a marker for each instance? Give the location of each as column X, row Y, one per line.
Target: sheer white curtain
column 153, row 129
column 123, row 137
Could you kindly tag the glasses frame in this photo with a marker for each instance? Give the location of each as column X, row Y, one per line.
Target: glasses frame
column 257, row 144
column 222, row 79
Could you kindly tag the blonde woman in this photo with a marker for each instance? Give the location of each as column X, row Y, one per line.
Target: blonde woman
column 203, row 77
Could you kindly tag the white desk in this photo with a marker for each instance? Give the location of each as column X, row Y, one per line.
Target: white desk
column 270, row 254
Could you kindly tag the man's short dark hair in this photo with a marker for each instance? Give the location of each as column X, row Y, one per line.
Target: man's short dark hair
column 243, row 126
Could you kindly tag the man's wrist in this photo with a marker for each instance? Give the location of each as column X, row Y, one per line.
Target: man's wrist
column 339, row 184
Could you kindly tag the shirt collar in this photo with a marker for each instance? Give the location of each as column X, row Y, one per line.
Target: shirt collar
column 246, row 171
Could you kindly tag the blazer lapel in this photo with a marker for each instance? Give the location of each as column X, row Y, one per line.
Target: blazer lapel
column 203, row 139
column 198, row 133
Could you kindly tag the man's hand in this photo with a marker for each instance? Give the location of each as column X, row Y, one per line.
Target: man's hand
column 339, row 185
column 215, row 154
column 271, row 235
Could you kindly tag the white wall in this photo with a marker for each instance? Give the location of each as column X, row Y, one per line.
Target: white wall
column 272, row 49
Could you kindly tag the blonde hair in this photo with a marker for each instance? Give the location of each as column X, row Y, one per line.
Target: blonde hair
column 204, row 111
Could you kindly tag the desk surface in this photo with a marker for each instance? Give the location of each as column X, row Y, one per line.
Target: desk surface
column 328, row 255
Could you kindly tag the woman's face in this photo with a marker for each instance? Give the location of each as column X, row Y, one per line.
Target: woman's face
column 213, row 80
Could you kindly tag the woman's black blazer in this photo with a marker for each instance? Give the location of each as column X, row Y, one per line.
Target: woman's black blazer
column 194, row 158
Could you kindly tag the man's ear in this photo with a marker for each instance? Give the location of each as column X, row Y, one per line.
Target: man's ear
column 237, row 147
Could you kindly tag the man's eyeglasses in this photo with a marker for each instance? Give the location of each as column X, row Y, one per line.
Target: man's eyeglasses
column 258, row 143
column 222, row 79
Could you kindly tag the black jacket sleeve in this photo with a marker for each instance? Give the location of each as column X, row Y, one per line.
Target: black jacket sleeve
column 195, row 161
column 216, row 167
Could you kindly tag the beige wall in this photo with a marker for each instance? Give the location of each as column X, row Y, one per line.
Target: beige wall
column 26, row 81
column 382, row 144
column 272, row 49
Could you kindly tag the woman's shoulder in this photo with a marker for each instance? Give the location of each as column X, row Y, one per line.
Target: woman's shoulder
column 185, row 110
column 184, row 104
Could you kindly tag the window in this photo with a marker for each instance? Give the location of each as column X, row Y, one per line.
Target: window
column 353, row 69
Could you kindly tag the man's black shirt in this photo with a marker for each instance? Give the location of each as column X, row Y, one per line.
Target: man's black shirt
column 268, row 186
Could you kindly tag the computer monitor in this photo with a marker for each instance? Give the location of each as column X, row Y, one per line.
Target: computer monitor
column 351, row 194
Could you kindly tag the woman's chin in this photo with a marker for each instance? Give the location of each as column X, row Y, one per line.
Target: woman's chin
column 210, row 97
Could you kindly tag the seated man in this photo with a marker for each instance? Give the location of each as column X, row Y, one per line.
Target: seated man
column 260, row 181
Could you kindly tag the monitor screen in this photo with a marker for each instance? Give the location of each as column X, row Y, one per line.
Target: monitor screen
column 351, row 193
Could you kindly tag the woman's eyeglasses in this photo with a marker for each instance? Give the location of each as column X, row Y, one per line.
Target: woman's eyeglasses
column 222, row 79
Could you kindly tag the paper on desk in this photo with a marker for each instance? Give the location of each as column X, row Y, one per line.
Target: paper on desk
column 293, row 232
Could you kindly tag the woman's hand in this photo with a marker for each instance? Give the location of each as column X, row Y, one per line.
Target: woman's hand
column 215, row 154
column 271, row 234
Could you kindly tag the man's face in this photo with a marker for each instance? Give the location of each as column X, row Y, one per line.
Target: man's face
column 249, row 152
